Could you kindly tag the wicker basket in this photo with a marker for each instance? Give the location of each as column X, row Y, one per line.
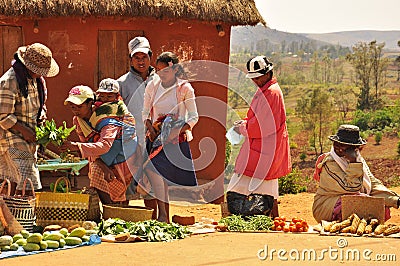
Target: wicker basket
column 127, row 213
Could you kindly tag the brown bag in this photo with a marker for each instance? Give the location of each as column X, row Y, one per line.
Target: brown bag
column 94, row 213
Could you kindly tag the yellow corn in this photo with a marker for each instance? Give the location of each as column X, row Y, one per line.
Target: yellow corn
column 361, row 227
column 328, row 226
column 371, row 226
column 392, row 230
column 355, row 223
column 380, row 229
column 338, row 226
column 346, row 229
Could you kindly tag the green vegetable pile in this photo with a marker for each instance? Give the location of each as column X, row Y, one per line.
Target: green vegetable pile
column 49, row 132
column 249, row 223
column 151, row 230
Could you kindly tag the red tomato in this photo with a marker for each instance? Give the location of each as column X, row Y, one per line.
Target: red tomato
column 298, row 225
column 278, row 228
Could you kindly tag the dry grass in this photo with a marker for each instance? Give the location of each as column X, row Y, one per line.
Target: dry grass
column 234, row 12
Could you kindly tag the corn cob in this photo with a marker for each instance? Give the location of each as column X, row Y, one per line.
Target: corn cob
column 338, row 226
column 351, row 217
column 380, row 229
column 355, row 223
column 361, row 227
column 328, row 226
column 392, row 230
column 346, row 229
column 371, row 226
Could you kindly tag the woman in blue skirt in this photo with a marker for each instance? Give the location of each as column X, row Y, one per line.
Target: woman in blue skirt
column 169, row 114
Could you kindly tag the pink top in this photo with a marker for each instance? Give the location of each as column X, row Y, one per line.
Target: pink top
column 265, row 153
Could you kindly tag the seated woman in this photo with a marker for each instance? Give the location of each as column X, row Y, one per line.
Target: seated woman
column 111, row 152
column 343, row 171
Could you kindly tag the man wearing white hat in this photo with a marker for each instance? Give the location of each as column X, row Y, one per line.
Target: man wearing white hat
column 264, row 156
column 132, row 86
column 22, row 97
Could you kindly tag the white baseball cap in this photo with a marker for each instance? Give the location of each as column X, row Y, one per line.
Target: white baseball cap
column 258, row 66
column 139, row 44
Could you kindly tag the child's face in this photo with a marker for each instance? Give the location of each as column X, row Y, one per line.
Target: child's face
column 107, row 97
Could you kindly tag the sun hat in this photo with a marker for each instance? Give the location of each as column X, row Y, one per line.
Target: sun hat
column 139, row 44
column 348, row 134
column 258, row 66
column 38, row 59
column 79, row 94
column 108, row 85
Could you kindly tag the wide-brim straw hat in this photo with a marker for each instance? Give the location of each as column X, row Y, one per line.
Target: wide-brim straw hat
column 349, row 135
column 38, row 59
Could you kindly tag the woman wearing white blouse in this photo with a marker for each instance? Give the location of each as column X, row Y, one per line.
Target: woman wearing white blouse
column 170, row 101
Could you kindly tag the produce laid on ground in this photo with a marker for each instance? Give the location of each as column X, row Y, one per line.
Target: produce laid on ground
column 295, row 225
column 53, row 239
column 237, row 223
column 358, row 226
column 150, row 230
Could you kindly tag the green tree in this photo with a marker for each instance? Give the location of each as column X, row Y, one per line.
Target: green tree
column 369, row 65
column 315, row 111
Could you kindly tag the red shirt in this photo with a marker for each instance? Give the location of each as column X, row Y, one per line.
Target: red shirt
column 265, row 153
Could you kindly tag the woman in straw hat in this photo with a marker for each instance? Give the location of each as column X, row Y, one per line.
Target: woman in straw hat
column 343, row 171
column 22, row 98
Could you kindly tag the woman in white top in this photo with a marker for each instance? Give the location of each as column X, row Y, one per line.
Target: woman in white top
column 169, row 114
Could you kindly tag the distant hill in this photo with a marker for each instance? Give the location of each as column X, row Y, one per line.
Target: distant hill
column 248, row 36
column 349, row 38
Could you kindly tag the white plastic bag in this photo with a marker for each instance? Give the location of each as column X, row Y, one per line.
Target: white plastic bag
column 233, row 137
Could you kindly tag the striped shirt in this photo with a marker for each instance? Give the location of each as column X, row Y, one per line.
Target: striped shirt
column 15, row 107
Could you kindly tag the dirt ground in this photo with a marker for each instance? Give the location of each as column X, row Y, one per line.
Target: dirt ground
column 227, row 248
column 246, row 248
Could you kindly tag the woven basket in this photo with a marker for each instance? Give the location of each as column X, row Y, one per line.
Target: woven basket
column 22, row 207
column 127, row 213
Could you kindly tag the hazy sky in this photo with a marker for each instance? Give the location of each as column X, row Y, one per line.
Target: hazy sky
column 322, row 16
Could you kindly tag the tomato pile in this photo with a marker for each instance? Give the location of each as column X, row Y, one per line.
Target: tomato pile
column 294, row 225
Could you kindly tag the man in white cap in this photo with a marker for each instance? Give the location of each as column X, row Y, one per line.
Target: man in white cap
column 132, row 86
column 22, row 98
column 264, row 156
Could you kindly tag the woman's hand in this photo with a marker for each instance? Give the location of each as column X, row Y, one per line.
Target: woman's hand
column 108, row 173
column 151, row 131
column 236, row 126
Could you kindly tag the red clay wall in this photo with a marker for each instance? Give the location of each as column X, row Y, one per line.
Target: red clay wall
column 77, row 54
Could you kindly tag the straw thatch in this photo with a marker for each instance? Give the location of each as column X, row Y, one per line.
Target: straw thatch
column 235, row 12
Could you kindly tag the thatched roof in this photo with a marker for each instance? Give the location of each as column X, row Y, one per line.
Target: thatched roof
column 235, row 12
